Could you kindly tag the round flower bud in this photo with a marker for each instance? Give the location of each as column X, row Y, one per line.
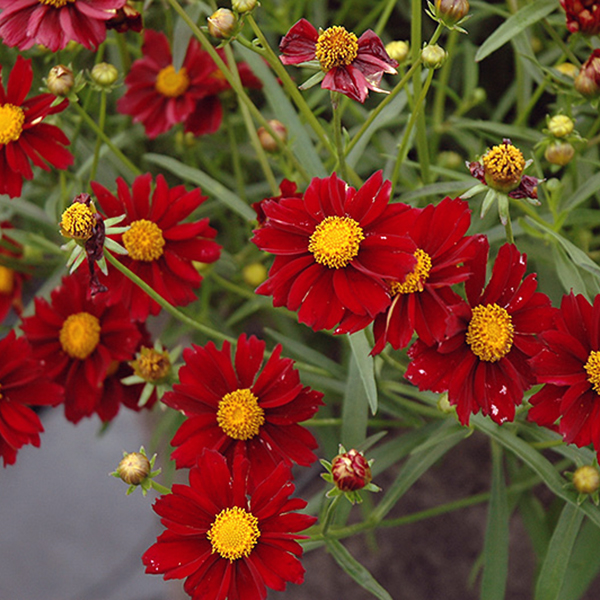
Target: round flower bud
column 450, row 12
column 398, row 51
column 448, row 159
column 134, row 468
column 243, row 6
column 222, row 23
column 568, row 69
column 266, row 139
column 587, row 82
column 433, row 56
column 60, row 80
column 586, row 479
column 561, row 126
column 104, row 74
column 559, row 153
column 254, row 274
column 350, row 471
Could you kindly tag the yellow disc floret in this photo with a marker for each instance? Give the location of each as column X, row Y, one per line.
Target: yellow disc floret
column 144, row 241
column 7, row 280
column 80, row 334
column 239, row 415
column 234, row 533
column 12, row 119
column 56, row 3
column 592, row 368
column 151, row 365
column 415, row 281
column 503, row 167
column 335, row 241
column 490, row 332
column 336, row 47
column 78, row 222
column 172, row 83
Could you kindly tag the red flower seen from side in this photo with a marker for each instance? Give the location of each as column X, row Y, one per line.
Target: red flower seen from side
column 54, row 23
column 483, row 362
column 24, row 137
column 226, row 539
column 22, row 383
column 582, row 16
column 335, row 250
column 237, row 408
column 161, row 248
column 352, row 65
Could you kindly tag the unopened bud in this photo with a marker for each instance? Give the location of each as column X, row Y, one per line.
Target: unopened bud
column 450, row 12
column 568, row 69
column 254, row 274
column 60, row 80
column 559, row 153
column 134, row 468
column 433, row 56
column 266, row 139
column 222, row 23
column 587, row 82
column 586, row 479
column 243, row 6
column 398, row 51
column 104, row 74
column 561, row 126
column 350, row 471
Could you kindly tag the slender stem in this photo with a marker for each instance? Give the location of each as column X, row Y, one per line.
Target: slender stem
column 510, row 238
column 101, row 124
column 560, row 43
column 337, row 134
column 329, row 514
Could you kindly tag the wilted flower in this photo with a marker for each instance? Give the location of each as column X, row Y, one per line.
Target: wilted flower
column 125, row 19
column 583, row 16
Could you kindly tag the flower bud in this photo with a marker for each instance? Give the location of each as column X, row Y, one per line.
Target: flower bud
column 568, row 69
column 433, row 56
column 60, row 80
column 587, row 82
column 266, row 139
column 561, row 126
column 243, row 6
column 450, row 12
column 559, row 153
column 104, row 74
column 350, row 471
column 398, row 51
column 254, row 274
column 448, row 159
column 134, row 468
column 586, row 479
column 222, row 23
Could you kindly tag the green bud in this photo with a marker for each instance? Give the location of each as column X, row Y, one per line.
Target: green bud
column 433, row 56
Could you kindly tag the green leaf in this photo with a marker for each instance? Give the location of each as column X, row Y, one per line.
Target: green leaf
column 587, row 189
column 357, row 571
column 569, row 277
column 207, row 183
column 364, row 362
column 355, row 408
column 521, row 20
column 555, row 565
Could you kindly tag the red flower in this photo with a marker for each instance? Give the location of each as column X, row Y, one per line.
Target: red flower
column 287, row 188
column 569, row 365
column 422, row 302
column 229, row 540
column 482, row 363
column 582, row 16
column 23, row 135
column 11, row 280
column 335, row 250
column 161, row 249
column 159, row 97
column 22, row 383
column 77, row 338
column 352, row 66
column 54, row 23
column 241, row 409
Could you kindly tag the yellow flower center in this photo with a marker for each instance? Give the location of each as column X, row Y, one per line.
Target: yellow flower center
column 239, row 415
column 78, row 222
column 336, row 47
column 79, row 335
column 503, row 166
column 144, row 241
column 151, row 365
column 234, row 533
column 11, row 123
column 592, row 368
column 56, row 3
column 490, row 332
column 415, row 281
column 335, row 241
column 172, row 83
column 7, row 280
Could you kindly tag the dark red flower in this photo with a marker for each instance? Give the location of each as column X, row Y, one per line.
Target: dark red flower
column 287, row 188
column 352, row 66
column 126, row 18
column 482, row 363
column 582, row 16
column 159, row 97
column 422, row 302
column 335, row 249
column 226, row 539
column 54, row 23
column 569, row 365
column 77, row 338
column 24, row 136
column 22, row 383
column 11, row 280
column 161, row 248
column 242, row 409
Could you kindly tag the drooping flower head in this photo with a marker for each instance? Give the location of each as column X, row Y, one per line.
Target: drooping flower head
column 54, row 23
column 237, row 408
column 161, row 248
column 351, row 65
column 228, row 539
column 159, row 96
column 482, row 363
column 22, row 383
column 583, row 16
column 24, row 137
column 335, row 250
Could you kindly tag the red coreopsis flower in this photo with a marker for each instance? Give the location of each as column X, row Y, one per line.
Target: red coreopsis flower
column 237, row 408
column 77, row 338
column 159, row 97
column 422, row 301
column 569, row 365
column 54, row 23
column 227, row 539
column 160, row 248
column 582, row 16
column 352, row 66
column 24, row 137
column 22, row 383
column 483, row 362
column 11, row 280
column 287, row 188
column 335, row 249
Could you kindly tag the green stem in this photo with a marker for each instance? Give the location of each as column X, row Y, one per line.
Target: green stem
column 101, row 124
column 329, row 514
column 560, row 43
column 337, row 134
column 510, row 238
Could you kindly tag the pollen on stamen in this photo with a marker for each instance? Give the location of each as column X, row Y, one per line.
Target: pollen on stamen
column 503, row 167
column 592, row 368
column 335, row 241
column 172, row 83
column 234, row 533
column 336, row 47
column 490, row 332
column 144, row 241
column 12, row 119
column 414, row 281
column 239, row 414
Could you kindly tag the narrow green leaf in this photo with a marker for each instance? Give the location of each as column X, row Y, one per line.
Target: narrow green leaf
column 521, row 20
column 569, row 277
column 355, row 409
column 584, row 191
column 357, row 571
column 364, row 361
